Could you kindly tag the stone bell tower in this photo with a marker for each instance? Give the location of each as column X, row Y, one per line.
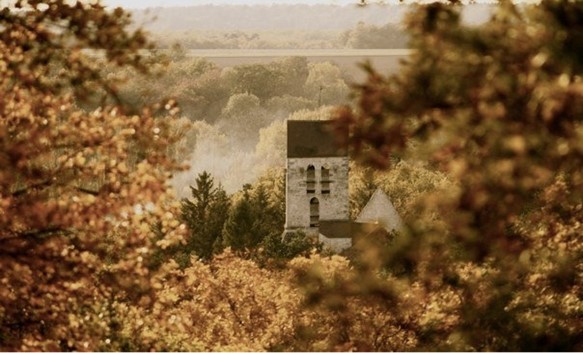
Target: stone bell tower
column 316, row 177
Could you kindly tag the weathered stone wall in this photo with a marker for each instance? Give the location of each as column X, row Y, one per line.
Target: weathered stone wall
column 333, row 206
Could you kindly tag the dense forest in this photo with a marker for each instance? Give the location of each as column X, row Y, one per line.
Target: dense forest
column 109, row 242
column 236, row 114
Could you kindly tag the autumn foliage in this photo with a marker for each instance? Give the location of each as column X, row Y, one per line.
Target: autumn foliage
column 69, row 177
column 497, row 108
column 480, row 131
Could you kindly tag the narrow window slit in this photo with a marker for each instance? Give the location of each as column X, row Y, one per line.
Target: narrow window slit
column 311, row 180
column 314, row 212
column 325, row 180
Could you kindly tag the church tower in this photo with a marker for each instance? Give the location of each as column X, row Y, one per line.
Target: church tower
column 316, row 177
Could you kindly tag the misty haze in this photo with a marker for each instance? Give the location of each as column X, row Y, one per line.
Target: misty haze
column 318, row 47
column 294, row 175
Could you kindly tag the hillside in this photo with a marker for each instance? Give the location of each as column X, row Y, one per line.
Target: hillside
column 284, row 26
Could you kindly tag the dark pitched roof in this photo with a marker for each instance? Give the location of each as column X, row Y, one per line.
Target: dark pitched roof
column 345, row 228
column 308, row 138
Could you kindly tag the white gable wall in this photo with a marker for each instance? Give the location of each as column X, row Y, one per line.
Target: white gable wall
column 380, row 209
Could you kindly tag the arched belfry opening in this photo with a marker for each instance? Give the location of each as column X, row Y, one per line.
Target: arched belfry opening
column 311, row 179
column 314, row 212
column 325, row 180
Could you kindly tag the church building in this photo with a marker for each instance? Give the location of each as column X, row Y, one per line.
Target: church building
column 317, row 201
column 316, row 177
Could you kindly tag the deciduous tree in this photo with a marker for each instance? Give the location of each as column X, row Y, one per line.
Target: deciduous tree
column 497, row 107
column 68, row 176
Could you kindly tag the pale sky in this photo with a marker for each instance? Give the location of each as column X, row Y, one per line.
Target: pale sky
column 171, row 3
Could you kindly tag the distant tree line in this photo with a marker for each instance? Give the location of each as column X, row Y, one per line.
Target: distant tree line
column 362, row 36
column 285, row 26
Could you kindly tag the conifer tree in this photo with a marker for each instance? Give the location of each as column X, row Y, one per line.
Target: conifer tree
column 263, row 216
column 239, row 226
column 218, row 216
column 204, row 215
